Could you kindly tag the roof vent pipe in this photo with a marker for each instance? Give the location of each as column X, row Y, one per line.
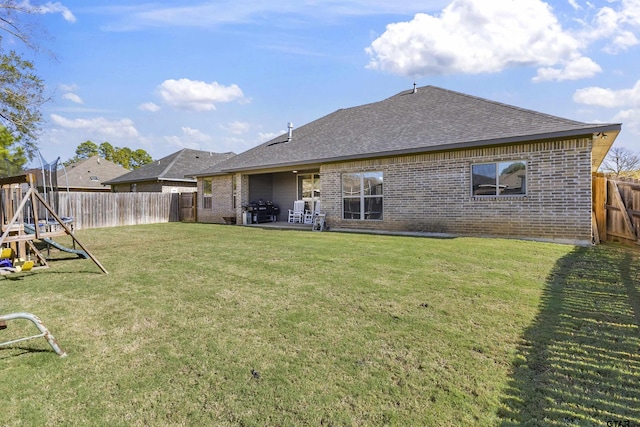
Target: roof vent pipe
column 415, row 89
column 290, row 135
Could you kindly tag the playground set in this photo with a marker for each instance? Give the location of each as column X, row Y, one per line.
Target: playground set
column 23, row 223
column 27, row 217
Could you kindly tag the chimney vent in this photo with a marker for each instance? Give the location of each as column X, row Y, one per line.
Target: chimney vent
column 290, row 135
column 415, row 89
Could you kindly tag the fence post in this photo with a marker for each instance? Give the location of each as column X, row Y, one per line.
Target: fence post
column 599, row 204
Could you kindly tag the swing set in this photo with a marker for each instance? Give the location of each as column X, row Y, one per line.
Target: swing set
column 22, row 223
column 26, row 217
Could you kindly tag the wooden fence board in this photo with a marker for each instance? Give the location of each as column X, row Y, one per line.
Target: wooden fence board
column 188, row 207
column 98, row 210
column 622, row 205
column 599, row 203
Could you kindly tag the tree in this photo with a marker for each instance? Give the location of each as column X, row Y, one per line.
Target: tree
column 107, row 151
column 13, row 156
column 21, row 90
column 621, row 162
column 86, row 149
column 21, row 96
column 124, row 156
column 140, row 158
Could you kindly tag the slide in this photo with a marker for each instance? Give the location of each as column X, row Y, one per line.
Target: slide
column 82, row 254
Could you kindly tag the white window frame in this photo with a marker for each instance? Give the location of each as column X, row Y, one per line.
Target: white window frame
column 362, row 197
column 207, row 196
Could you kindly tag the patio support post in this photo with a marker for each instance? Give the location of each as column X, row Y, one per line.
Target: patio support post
column 242, row 182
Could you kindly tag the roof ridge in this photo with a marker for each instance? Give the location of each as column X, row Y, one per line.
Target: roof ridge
column 173, row 161
column 83, row 161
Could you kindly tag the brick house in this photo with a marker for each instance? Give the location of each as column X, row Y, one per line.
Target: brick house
column 426, row 160
column 170, row 174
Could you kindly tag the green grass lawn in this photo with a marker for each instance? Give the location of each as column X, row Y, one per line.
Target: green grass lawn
column 218, row 325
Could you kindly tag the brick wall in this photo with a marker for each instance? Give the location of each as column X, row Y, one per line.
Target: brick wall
column 432, row 193
column 222, row 202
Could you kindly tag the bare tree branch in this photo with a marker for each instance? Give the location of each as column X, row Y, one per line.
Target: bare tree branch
column 621, row 162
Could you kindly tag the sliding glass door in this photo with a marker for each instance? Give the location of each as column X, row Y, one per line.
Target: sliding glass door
column 309, row 189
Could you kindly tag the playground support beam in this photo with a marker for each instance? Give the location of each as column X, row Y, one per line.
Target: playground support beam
column 44, row 332
column 68, row 230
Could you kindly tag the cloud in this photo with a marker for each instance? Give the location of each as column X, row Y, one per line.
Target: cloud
column 73, row 98
column 615, row 26
column 268, row 136
column 190, row 138
column 474, row 36
column 68, row 88
column 628, row 100
column 51, row 7
column 149, row 106
column 609, row 98
column 179, row 142
column 185, row 94
column 195, row 134
column 630, row 118
column 237, row 128
column 578, row 68
column 98, row 126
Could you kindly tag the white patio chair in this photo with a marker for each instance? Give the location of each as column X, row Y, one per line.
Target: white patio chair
column 297, row 213
column 309, row 215
column 318, row 222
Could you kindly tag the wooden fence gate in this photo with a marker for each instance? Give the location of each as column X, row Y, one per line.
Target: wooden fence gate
column 188, row 211
column 616, row 209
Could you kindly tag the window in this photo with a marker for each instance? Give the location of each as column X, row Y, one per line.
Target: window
column 206, row 193
column 234, row 188
column 309, row 190
column 362, row 195
column 499, row 179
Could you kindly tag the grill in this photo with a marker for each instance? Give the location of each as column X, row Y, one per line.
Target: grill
column 262, row 211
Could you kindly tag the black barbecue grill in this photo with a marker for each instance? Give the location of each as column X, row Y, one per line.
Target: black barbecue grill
column 262, row 211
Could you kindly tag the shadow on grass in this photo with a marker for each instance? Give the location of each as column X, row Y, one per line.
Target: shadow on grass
column 15, row 351
column 579, row 362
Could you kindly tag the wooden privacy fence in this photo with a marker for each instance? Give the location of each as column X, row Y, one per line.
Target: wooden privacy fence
column 97, row 210
column 616, row 209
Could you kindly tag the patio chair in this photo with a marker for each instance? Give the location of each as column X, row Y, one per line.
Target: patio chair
column 297, row 213
column 309, row 215
column 318, row 222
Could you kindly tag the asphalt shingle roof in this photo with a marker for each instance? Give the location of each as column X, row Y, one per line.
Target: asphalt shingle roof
column 174, row 167
column 430, row 119
column 90, row 173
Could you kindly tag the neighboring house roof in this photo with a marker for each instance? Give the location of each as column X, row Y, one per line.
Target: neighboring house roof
column 89, row 173
column 427, row 119
column 174, row 167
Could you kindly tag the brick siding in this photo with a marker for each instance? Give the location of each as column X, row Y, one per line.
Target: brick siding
column 432, row 193
column 222, row 202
